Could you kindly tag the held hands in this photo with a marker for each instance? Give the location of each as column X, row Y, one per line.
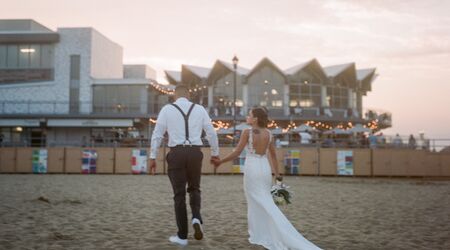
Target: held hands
column 215, row 160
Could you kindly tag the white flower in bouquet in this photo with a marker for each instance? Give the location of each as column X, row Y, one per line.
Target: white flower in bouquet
column 280, row 194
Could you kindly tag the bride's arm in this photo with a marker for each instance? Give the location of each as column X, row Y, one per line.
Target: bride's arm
column 273, row 159
column 237, row 151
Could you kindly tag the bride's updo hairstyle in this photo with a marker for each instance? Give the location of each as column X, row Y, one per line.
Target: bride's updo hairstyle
column 261, row 114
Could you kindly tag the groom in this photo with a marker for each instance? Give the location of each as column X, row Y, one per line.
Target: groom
column 184, row 121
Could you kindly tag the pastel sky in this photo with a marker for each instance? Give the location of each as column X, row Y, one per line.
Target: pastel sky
column 407, row 41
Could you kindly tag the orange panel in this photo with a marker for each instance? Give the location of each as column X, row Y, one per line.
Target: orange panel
column 328, row 161
column 7, row 160
column 433, row 164
column 207, row 167
column 399, row 162
column 381, row 162
column 24, row 160
column 445, row 165
column 55, row 161
column 105, row 160
column 123, row 161
column 280, row 159
column 362, row 162
column 161, row 163
column 309, row 161
column 417, row 164
column 73, row 160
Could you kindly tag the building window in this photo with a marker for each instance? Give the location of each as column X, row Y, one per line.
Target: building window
column 24, row 56
column 12, row 57
column 3, row 56
column 267, row 94
column 26, row 63
column 47, row 56
column 305, row 95
column 119, row 99
column 224, row 96
column 337, row 97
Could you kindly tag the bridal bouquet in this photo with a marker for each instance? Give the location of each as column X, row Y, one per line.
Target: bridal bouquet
column 280, row 194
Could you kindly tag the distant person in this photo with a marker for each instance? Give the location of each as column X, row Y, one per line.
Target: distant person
column 363, row 141
column 411, row 142
column 305, row 138
column 422, row 142
column 328, row 142
column 278, row 143
column 1, row 139
column 398, row 141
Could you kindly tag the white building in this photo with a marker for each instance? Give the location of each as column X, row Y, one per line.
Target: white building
column 69, row 85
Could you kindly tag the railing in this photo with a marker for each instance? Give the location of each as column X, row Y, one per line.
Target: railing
column 67, row 108
column 26, row 75
column 150, row 108
column 391, row 142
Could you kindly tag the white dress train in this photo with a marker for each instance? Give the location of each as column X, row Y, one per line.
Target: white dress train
column 267, row 225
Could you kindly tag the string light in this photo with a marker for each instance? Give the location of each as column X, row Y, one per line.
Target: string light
column 161, row 89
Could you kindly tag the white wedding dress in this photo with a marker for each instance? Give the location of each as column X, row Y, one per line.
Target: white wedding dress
column 267, row 225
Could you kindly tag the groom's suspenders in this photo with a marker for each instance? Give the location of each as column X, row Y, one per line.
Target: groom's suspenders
column 186, row 120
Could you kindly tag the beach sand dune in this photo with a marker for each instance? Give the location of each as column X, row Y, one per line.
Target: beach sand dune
column 136, row 212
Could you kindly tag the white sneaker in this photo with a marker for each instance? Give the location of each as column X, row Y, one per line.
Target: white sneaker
column 176, row 240
column 198, row 230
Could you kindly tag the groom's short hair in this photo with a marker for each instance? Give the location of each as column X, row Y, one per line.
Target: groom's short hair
column 182, row 90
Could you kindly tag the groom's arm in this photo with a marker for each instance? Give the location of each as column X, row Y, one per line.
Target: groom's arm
column 211, row 134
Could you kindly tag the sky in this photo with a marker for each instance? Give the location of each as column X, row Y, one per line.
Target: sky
column 407, row 41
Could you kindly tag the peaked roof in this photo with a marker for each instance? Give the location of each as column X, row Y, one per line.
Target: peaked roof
column 174, row 76
column 293, row 70
column 335, row 70
column 362, row 74
column 201, row 72
column 263, row 62
column 240, row 70
column 313, row 64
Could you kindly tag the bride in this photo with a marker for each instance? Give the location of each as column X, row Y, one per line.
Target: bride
column 267, row 226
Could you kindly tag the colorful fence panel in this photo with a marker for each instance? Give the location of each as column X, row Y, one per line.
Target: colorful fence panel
column 292, row 162
column 39, row 161
column 239, row 163
column 344, row 162
column 89, row 161
column 139, row 161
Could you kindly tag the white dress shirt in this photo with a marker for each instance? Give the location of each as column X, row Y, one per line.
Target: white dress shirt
column 171, row 120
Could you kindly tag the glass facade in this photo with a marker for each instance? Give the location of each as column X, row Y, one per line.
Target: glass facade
column 26, row 56
column 224, row 95
column 26, row 62
column 267, row 94
column 304, row 95
column 337, row 97
column 120, row 99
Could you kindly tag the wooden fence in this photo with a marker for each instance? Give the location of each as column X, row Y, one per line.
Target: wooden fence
column 311, row 161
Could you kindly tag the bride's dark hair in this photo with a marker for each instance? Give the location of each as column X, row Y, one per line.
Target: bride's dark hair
column 262, row 116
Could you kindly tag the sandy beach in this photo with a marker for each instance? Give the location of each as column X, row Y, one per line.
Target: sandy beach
column 135, row 212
